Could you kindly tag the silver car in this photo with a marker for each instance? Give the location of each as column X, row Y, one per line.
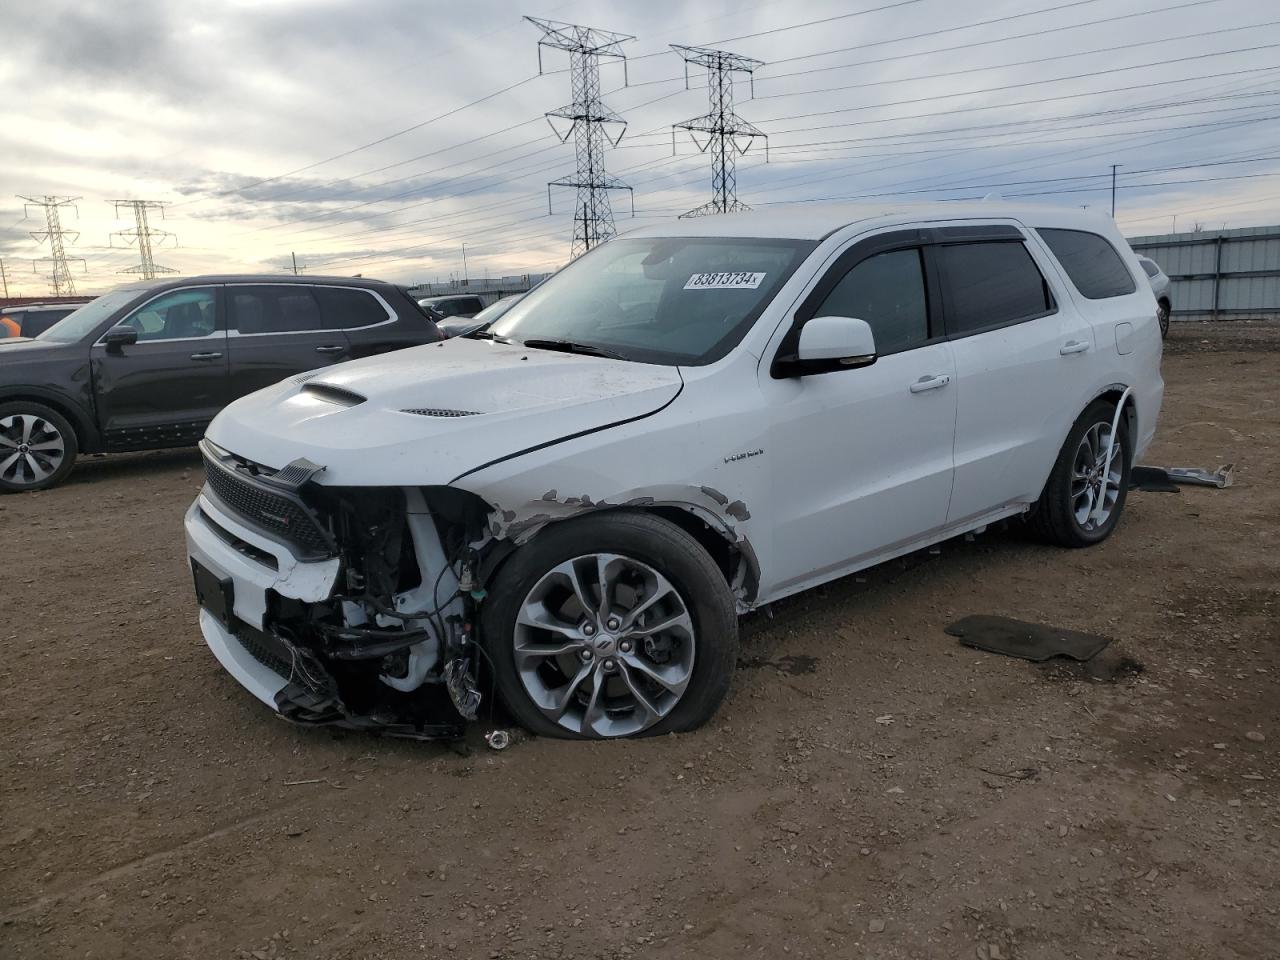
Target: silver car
column 1160, row 284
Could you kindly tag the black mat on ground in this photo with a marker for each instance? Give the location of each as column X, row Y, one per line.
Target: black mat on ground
column 1030, row 641
column 1151, row 479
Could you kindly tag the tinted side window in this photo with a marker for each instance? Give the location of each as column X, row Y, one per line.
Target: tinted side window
column 990, row 284
column 38, row 321
column 887, row 291
column 272, row 309
column 1091, row 262
column 1149, row 267
column 345, row 308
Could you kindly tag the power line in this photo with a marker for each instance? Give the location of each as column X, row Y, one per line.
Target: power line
column 976, row 43
column 142, row 235
column 1029, row 83
column 363, row 146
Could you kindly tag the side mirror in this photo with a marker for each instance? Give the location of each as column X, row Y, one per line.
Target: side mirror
column 833, row 343
column 121, row 336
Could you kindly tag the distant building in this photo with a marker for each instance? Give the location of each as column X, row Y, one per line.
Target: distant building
column 489, row 289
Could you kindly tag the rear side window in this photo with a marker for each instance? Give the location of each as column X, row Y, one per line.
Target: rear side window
column 991, row 284
column 38, row 321
column 345, row 308
column 887, row 291
column 1149, row 267
column 1091, row 262
column 274, row 309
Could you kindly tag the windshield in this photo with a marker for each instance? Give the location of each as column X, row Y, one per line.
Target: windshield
column 80, row 323
column 494, row 310
column 686, row 300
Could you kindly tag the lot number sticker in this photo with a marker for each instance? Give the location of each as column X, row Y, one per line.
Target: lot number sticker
column 725, row 281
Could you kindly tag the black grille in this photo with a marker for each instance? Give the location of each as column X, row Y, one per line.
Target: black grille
column 441, row 412
column 279, row 514
column 253, row 644
column 339, row 395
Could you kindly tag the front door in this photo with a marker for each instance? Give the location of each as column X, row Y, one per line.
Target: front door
column 276, row 331
column 164, row 389
column 861, row 458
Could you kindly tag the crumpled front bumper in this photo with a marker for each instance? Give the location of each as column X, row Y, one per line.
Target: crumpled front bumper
column 288, row 679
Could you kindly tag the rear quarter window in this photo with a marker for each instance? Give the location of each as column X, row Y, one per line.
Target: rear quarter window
column 346, row 308
column 1091, row 262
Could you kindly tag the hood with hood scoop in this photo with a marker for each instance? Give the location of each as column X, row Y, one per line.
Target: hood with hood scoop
column 428, row 414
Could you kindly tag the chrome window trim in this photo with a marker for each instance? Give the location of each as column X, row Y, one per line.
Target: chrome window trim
column 392, row 317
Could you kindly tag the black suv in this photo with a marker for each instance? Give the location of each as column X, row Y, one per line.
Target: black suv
column 149, row 365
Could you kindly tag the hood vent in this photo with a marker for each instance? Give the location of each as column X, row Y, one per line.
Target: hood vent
column 304, row 377
column 339, row 395
column 440, row 412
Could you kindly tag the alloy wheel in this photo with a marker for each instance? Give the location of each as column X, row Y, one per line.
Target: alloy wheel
column 31, row 449
column 1095, row 484
column 604, row 645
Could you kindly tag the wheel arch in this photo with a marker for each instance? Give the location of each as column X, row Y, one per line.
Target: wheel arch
column 712, row 523
column 88, row 439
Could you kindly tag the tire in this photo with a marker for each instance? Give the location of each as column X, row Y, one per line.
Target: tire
column 1056, row 517
column 38, row 447
column 1162, row 317
column 661, row 575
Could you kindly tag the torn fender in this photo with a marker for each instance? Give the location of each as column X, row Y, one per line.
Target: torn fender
column 520, row 521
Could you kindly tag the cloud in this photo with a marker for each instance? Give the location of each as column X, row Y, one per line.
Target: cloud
column 232, row 109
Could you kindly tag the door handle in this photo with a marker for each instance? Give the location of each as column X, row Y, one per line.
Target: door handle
column 930, row 383
column 331, row 348
column 1073, row 346
column 206, row 356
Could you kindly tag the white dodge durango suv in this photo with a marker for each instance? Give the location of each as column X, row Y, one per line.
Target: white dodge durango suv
column 692, row 420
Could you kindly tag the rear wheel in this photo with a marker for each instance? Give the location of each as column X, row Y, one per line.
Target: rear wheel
column 613, row 625
column 1082, row 502
column 1162, row 315
column 37, row 447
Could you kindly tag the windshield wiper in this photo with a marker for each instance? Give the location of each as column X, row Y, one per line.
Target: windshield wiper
column 571, row 346
column 483, row 334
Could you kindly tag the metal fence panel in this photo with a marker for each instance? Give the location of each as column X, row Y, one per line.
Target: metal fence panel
column 1223, row 274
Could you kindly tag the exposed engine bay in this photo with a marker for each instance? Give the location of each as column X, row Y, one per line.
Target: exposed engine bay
column 394, row 647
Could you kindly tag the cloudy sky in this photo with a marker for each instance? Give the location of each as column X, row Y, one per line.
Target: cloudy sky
column 379, row 136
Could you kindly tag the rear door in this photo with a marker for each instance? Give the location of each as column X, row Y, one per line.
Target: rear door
column 370, row 323
column 164, row 389
column 275, row 331
column 1008, row 331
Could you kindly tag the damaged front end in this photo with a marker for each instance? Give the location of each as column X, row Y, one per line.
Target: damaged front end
column 390, row 644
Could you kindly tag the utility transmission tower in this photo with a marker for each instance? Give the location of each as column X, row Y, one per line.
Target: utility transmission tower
column 142, row 235
column 60, row 276
column 588, row 119
column 727, row 133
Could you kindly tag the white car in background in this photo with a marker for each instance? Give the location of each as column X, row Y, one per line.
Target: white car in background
column 1160, row 285
column 690, row 421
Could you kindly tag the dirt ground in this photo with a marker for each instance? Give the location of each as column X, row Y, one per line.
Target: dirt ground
column 871, row 789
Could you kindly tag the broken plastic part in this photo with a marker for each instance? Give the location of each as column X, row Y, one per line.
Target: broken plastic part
column 462, row 687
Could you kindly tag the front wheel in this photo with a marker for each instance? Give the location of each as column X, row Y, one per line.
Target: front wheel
column 37, row 447
column 1162, row 316
column 1082, row 502
column 613, row 625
